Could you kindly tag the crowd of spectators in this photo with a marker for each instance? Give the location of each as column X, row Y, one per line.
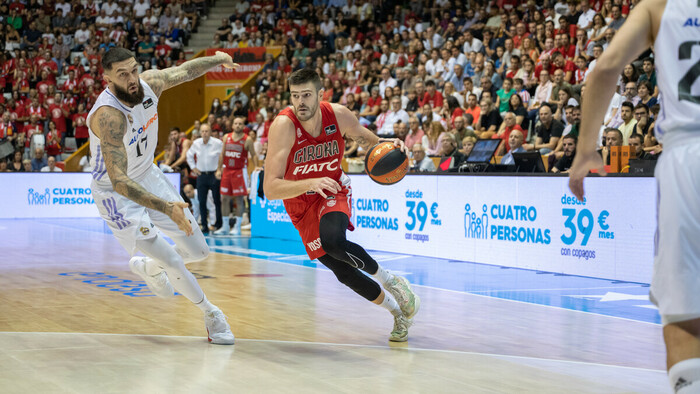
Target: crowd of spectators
column 444, row 74
column 439, row 75
column 50, row 70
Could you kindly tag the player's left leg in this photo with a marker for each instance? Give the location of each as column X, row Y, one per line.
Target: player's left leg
column 370, row 290
column 240, row 206
column 332, row 229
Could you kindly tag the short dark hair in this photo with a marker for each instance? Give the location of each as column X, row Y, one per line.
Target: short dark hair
column 648, row 59
column 628, row 104
column 115, row 55
column 642, row 106
column 571, row 136
column 636, row 135
column 303, row 76
column 430, row 82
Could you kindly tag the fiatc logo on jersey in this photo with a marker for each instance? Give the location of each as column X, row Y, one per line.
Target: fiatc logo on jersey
column 316, row 152
column 514, row 223
column 418, row 214
column 60, row 196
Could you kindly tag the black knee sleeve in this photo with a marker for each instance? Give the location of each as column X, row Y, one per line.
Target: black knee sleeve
column 332, row 232
column 352, row 278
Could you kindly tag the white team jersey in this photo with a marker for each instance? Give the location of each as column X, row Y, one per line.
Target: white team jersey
column 677, row 59
column 140, row 140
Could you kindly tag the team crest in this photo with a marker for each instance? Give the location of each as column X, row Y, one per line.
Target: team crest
column 330, row 203
column 298, row 132
column 131, row 118
column 144, row 230
column 330, row 129
column 148, row 103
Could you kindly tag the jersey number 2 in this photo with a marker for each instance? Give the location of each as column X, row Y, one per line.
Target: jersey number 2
column 138, row 145
column 684, row 85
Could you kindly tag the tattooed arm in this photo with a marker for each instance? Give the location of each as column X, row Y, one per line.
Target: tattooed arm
column 110, row 127
column 350, row 126
column 160, row 80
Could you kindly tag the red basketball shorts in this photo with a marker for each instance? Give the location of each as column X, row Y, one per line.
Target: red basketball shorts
column 307, row 218
column 233, row 183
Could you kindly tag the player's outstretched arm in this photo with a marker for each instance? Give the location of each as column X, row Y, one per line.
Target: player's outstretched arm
column 633, row 38
column 350, row 126
column 110, row 125
column 279, row 146
column 160, row 80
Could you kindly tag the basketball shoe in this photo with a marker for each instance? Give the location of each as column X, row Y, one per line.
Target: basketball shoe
column 408, row 301
column 158, row 284
column 401, row 325
column 218, row 330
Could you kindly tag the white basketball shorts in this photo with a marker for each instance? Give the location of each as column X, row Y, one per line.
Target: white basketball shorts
column 130, row 221
column 675, row 286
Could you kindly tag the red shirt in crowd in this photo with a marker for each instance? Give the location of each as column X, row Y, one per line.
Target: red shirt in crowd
column 80, row 125
column 58, row 117
column 435, row 100
column 29, row 130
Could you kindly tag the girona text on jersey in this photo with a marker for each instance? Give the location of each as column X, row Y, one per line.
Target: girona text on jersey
column 316, row 152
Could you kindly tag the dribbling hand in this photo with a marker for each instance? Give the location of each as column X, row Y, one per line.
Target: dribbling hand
column 397, row 143
column 318, row 185
column 177, row 215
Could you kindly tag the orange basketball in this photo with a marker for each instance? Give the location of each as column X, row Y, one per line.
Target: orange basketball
column 386, row 164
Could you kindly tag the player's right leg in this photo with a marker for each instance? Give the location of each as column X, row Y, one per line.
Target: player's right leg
column 675, row 286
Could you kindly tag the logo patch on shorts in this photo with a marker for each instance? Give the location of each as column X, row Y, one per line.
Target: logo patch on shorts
column 145, row 230
column 330, row 129
column 330, row 203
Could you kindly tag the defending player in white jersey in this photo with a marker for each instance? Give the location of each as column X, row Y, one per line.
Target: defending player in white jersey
column 671, row 27
column 132, row 194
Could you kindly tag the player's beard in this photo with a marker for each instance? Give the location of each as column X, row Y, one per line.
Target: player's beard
column 308, row 113
column 131, row 99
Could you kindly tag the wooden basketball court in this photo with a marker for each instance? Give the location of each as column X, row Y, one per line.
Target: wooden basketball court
column 74, row 319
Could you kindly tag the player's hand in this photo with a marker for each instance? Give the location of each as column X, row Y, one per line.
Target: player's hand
column 228, row 61
column 397, row 143
column 196, row 172
column 217, row 174
column 318, row 185
column 582, row 165
column 177, row 214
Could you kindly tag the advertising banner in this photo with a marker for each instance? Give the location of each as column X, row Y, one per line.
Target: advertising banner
column 250, row 59
column 521, row 222
column 268, row 217
column 51, row 195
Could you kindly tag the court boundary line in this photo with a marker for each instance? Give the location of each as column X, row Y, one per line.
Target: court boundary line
column 457, row 291
column 388, row 347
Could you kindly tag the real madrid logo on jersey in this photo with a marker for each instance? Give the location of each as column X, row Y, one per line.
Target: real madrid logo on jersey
column 131, row 118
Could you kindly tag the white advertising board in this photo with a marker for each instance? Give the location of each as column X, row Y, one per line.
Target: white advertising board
column 51, row 195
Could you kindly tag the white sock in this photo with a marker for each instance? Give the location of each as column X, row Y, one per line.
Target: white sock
column 390, row 304
column 382, row 276
column 205, row 305
column 685, row 376
column 152, row 266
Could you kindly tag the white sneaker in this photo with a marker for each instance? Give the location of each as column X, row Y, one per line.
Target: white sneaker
column 401, row 325
column 218, row 330
column 158, row 284
column 236, row 229
column 245, row 227
column 222, row 231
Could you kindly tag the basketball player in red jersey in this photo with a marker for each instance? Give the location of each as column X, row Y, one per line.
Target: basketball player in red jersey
column 233, row 172
column 303, row 168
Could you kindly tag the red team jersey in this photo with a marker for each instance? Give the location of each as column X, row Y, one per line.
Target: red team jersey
column 316, row 157
column 234, row 176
